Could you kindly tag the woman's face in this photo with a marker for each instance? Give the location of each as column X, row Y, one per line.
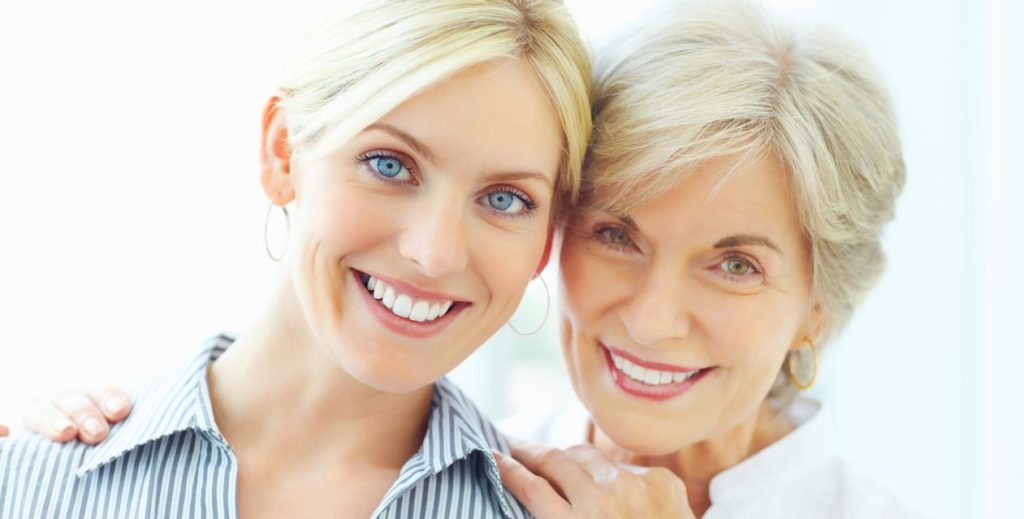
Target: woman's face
column 414, row 242
column 677, row 319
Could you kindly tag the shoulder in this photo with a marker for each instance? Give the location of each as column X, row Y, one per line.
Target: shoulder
column 32, row 454
column 34, row 471
column 843, row 489
column 472, row 427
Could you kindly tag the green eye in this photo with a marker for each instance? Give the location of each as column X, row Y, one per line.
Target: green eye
column 617, row 237
column 738, row 267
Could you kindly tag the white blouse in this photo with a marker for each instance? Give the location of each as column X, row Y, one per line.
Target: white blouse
column 799, row 476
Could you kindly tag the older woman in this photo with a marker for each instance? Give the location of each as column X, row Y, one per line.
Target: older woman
column 733, row 203
column 734, row 199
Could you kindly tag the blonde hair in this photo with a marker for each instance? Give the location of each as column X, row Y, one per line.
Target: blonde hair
column 379, row 53
column 716, row 79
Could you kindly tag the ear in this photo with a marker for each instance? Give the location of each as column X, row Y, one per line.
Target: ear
column 547, row 252
column 814, row 328
column 276, row 155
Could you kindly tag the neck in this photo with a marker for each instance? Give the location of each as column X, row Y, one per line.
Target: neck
column 279, row 394
column 699, row 463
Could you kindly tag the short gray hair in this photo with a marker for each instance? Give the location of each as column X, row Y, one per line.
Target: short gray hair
column 702, row 80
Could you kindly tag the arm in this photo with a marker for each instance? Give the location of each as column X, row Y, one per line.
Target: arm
column 86, row 415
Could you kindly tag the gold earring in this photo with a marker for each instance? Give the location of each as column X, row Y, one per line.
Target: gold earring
column 791, row 365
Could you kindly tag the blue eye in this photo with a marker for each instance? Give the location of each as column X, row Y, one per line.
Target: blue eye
column 502, row 200
column 389, row 166
column 508, row 202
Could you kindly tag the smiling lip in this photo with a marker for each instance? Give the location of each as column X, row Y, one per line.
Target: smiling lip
column 647, row 364
column 418, row 293
column 639, row 389
column 401, row 325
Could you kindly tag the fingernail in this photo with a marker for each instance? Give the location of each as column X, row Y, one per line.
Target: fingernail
column 115, row 404
column 92, row 426
column 62, row 426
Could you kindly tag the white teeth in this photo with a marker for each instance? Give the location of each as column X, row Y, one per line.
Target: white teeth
column 652, row 377
column 406, row 306
column 403, row 305
column 648, row 376
column 419, row 311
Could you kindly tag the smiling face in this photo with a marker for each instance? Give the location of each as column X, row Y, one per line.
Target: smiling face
column 414, row 242
column 677, row 319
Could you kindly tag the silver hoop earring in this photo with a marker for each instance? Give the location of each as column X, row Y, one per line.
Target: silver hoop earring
column 547, row 310
column 266, row 231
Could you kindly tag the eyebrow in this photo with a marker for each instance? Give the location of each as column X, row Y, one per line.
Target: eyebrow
column 509, row 176
column 747, row 239
column 413, row 143
column 423, row 149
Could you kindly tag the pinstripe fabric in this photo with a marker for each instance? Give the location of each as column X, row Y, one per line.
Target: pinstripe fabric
column 168, row 460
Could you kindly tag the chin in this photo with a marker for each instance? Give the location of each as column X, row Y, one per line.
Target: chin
column 392, row 379
column 642, row 438
column 387, row 373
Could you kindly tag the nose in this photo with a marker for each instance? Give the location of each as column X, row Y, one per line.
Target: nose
column 659, row 309
column 435, row 239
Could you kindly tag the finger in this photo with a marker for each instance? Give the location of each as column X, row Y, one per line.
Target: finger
column 112, row 401
column 45, row 419
column 533, row 491
column 88, row 418
column 565, row 475
column 600, row 468
column 4, row 431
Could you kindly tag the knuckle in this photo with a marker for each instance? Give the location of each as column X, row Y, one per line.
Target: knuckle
column 534, row 488
column 580, row 451
column 663, row 478
column 73, row 400
column 551, row 457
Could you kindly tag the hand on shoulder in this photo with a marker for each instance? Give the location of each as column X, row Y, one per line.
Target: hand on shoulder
column 580, row 482
column 83, row 414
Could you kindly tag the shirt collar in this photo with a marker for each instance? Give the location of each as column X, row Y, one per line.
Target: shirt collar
column 181, row 400
column 456, row 431
column 178, row 401
column 810, row 444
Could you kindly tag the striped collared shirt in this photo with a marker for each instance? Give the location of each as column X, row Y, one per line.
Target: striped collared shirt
column 169, row 460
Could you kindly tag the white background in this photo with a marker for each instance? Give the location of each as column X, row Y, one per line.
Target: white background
column 131, row 221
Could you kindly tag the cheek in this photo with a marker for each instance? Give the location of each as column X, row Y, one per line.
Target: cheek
column 341, row 221
column 750, row 334
column 585, row 284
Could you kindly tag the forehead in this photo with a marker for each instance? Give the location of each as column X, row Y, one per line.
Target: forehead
column 495, row 114
column 725, row 196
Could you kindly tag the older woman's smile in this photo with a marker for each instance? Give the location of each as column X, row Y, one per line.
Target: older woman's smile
column 650, row 380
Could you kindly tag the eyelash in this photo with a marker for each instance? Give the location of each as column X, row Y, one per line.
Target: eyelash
column 528, row 202
column 367, row 157
column 756, row 273
column 600, row 231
